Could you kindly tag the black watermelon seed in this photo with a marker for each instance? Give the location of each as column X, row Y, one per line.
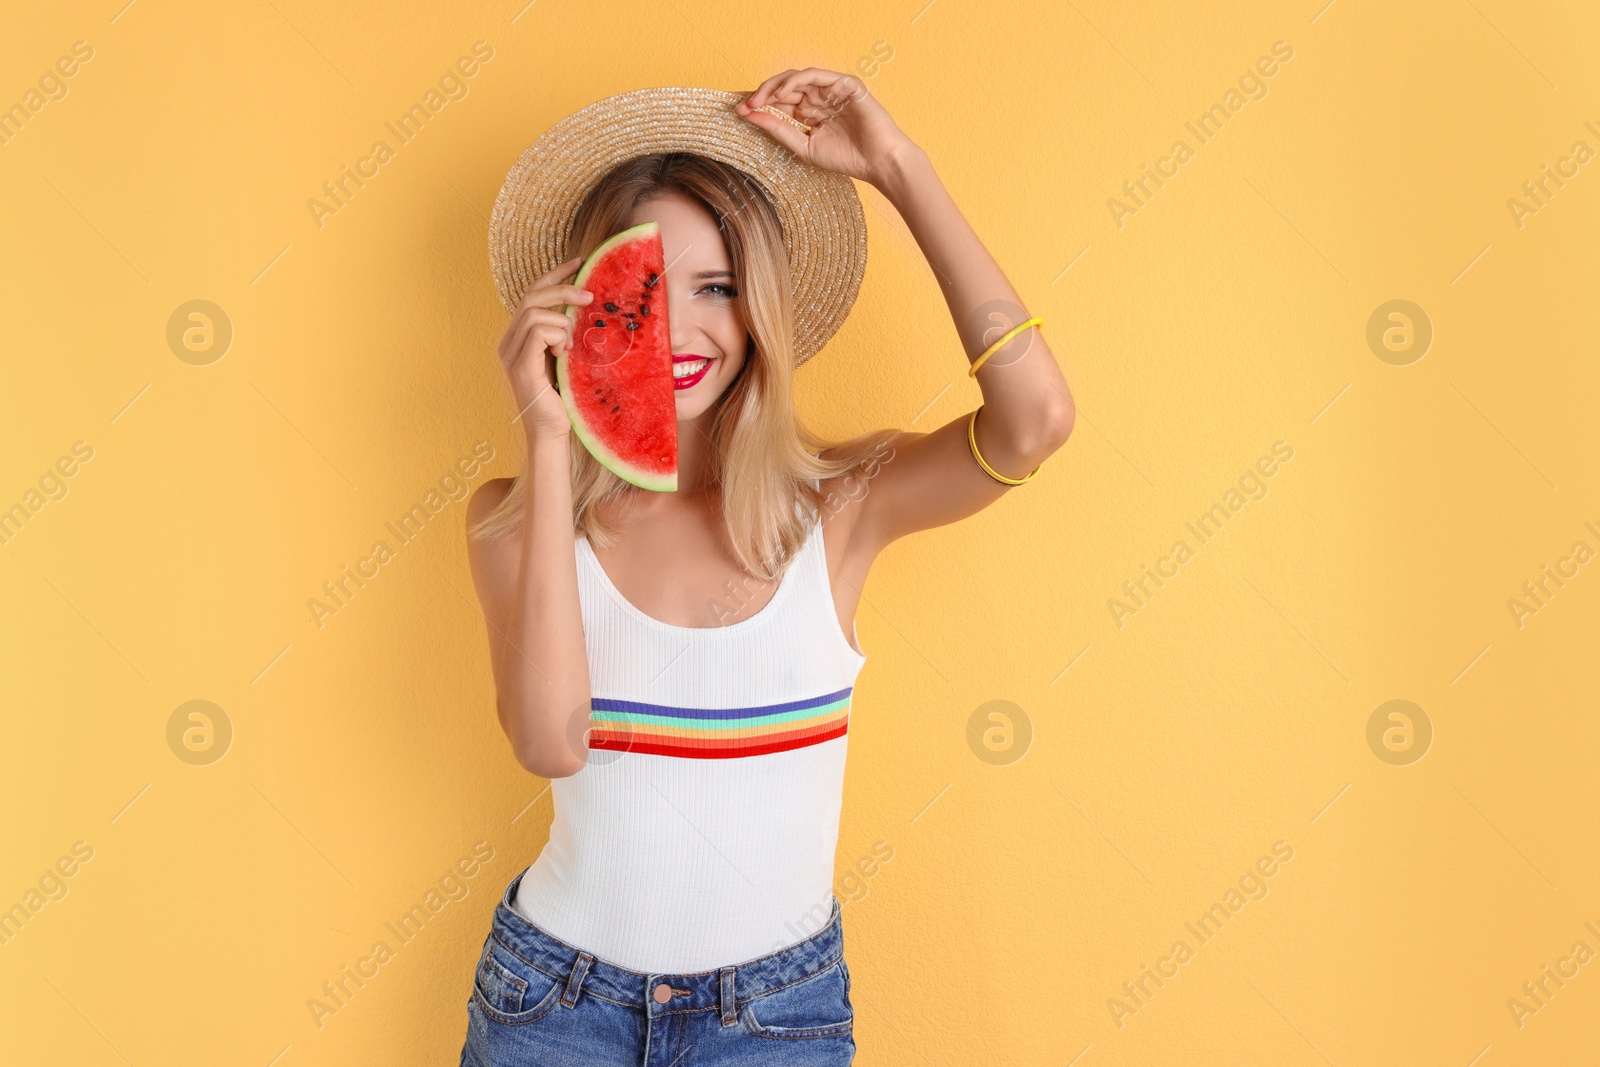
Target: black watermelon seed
column 644, row 309
column 599, row 322
column 615, row 410
column 610, row 306
column 633, row 325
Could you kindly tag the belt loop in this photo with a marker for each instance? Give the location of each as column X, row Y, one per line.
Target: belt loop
column 730, row 1014
column 580, row 971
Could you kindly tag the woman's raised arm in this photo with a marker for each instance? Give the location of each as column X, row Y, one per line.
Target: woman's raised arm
column 1028, row 411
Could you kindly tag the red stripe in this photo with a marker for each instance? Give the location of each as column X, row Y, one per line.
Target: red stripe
column 711, row 740
column 703, row 750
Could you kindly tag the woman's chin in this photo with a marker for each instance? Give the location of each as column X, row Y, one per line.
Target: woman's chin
column 692, row 403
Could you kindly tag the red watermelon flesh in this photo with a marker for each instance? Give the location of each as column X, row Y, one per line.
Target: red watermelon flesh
column 616, row 379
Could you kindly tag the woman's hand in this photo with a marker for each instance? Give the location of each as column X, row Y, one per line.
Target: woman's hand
column 538, row 333
column 851, row 133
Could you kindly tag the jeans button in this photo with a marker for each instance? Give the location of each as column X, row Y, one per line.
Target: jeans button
column 662, row 993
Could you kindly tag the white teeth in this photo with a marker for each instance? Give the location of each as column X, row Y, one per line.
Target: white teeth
column 683, row 370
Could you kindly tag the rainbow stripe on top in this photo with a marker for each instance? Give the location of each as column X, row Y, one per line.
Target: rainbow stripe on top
column 717, row 733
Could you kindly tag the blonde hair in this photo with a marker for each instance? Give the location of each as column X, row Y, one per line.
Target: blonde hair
column 764, row 458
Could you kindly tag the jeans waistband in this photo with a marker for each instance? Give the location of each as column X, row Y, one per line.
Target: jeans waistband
column 715, row 989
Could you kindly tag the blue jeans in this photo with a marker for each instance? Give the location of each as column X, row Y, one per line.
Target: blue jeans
column 537, row 1000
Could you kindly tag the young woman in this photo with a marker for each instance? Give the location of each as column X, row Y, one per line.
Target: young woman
column 681, row 668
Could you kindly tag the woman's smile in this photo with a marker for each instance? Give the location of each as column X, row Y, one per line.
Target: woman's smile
column 688, row 369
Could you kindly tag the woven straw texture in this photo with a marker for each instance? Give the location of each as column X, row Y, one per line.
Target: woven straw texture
column 824, row 230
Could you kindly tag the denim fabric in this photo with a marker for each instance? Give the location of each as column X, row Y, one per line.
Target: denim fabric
column 538, row 1000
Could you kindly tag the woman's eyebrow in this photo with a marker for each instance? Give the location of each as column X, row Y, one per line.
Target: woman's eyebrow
column 706, row 274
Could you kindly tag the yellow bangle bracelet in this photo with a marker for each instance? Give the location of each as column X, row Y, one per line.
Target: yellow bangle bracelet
column 992, row 349
column 972, row 440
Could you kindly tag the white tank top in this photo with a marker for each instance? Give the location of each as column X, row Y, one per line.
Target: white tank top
column 701, row 832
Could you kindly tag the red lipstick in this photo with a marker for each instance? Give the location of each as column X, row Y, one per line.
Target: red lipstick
column 693, row 379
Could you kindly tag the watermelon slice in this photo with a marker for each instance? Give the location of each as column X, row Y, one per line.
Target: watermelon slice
column 616, row 379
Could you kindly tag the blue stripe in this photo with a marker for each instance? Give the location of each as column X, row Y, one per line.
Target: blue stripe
column 716, row 714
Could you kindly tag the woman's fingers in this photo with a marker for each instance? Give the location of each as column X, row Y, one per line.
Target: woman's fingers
column 517, row 334
column 784, row 85
column 791, row 137
column 546, row 323
column 542, row 341
column 547, row 339
column 820, row 101
column 759, row 97
column 551, row 295
column 570, row 294
column 559, row 271
column 812, row 96
column 791, row 89
column 548, row 281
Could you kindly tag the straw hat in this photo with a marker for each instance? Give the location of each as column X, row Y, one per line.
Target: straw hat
column 823, row 227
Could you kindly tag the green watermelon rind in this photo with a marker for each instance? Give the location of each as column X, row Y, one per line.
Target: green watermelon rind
column 608, row 459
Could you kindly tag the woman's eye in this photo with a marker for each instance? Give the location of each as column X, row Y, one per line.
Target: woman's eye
column 727, row 290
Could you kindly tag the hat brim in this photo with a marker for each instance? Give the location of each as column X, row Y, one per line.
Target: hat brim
column 824, row 230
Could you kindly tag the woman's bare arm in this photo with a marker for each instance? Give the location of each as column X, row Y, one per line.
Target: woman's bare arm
column 527, row 582
column 1027, row 410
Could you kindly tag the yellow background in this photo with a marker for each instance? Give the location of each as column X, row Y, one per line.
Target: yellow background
column 1228, row 713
